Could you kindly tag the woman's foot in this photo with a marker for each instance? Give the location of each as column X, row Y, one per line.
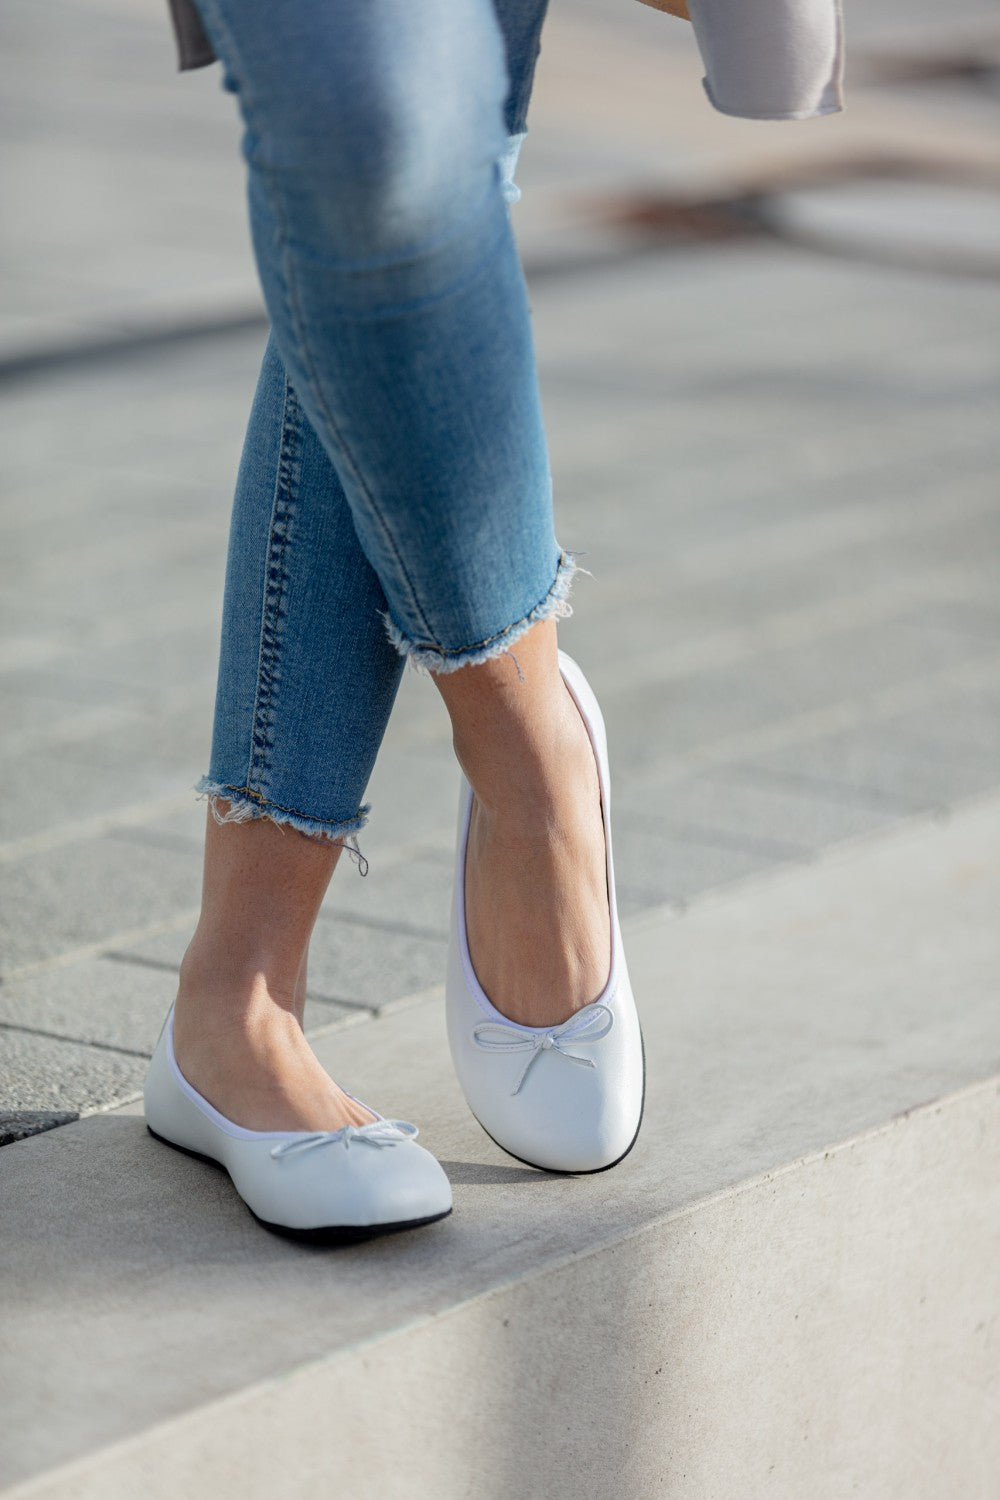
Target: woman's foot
column 567, row 1097
column 238, row 1036
column 248, row 1056
column 536, row 894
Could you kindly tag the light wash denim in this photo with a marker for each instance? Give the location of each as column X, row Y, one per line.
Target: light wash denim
column 394, row 496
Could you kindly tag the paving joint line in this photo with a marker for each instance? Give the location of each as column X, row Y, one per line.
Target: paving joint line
column 383, row 924
column 76, row 1041
column 96, row 949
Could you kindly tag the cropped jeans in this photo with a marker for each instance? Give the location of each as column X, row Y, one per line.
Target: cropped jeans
column 394, row 497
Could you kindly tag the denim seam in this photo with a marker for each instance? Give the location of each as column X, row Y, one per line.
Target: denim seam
column 274, row 607
column 267, row 172
column 295, row 317
column 285, row 475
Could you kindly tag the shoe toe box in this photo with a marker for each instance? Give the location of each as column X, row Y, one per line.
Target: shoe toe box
column 344, row 1186
column 564, row 1118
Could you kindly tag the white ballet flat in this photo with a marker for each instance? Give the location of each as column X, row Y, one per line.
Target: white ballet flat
column 330, row 1186
column 566, row 1098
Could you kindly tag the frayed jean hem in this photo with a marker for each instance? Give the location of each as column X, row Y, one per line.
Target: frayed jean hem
column 425, row 656
column 246, row 806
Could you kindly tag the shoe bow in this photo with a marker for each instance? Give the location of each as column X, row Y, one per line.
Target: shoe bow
column 375, row 1133
column 587, row 1025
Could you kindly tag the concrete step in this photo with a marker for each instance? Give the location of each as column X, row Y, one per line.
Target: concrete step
column 790, row 1288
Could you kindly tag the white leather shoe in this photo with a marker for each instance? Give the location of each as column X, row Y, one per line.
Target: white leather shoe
column 328, row 1186
column 566, row 1098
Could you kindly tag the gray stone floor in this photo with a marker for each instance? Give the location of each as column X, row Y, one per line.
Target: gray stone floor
column 780, row 460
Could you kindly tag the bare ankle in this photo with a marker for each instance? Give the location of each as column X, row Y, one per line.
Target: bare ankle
column 237, row 968
column 532, row 775
column 226, row 1000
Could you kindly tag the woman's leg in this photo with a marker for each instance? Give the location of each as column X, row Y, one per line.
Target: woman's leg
column 238, row 1017
column 536, row 895
column 305, row 666
column 306, row 682
column 397, row 300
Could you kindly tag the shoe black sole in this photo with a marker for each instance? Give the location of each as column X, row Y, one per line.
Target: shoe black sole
column 583, row 1171
column 329, row 1234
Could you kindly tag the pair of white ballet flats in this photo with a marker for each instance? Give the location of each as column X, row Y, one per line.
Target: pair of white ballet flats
column 565, row 1098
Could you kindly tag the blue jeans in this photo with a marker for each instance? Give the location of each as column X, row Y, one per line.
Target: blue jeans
column 394, row 495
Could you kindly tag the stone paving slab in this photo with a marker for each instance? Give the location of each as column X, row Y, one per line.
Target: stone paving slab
column 114, row 240
column 164, row 743
column 40, row 790
column 876, row 761
column 783, row 1020
column 670, row 864
column 57, row 442
column 839, row 545
column 98, row 1001
column 767, row 689
column 59, row 1077
column 764, row 814
column 413, row 793
column 55, row 902
column 860, row 300
column 968, row 727
column 414, row 896
column 354, row 964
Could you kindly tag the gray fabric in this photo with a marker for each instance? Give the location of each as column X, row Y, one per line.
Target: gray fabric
column 764, row 59
column 771, row 59
column 194, row 50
